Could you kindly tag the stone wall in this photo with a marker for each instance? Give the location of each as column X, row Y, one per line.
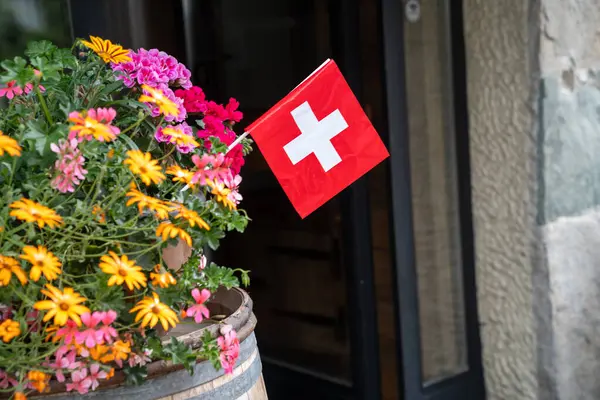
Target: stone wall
column 534, row 109
column 501, row 67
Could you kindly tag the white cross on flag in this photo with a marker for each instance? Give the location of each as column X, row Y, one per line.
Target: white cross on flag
column 318, row 140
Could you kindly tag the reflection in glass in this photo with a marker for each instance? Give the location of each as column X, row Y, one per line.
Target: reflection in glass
column 24, row 20
column 434, row 193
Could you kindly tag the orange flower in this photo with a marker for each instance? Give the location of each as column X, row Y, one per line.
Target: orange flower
column 163, row 280
column 168, row 230
column 190, row 216
column 42, row 261
column 108, row 51
column 62, row 305
column 9, row 145
column 221, row 193
column 19, row 396
column 38, row 380
column 180, row 175
column 98, row 212
column 123, row 270
column 142, row 165
column 159, row 207
column 165, row 105
column 30, row 211
column 8, row 267
column 9, row 330
column 120, row 351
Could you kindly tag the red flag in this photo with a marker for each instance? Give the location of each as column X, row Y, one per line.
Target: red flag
column 318, row 140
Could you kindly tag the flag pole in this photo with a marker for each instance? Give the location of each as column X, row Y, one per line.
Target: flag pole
column 237, row 141
column 231, row 146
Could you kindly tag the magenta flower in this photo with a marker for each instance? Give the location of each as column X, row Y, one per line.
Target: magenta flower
column 80, row 381
column 90, row 336
column 69, row 166
column 194, row 99
column 63, row 362
column 230, row 348
column 95, row 374
column 153, row 68
column 199, row 310
column 232, row 113
column 68, row 332
column 6, row 380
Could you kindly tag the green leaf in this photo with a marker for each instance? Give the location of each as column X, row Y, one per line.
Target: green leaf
column 13, row 67
column 130, row 143
column 48, row 69
column 220, row 276
column 64, row 58
column 135, row 375
column 180, row 353
column 41, row 48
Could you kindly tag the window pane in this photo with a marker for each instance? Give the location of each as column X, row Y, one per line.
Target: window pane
column 24, row 20
column 434, row 193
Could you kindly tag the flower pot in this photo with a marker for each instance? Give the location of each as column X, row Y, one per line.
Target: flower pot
column 171, row 382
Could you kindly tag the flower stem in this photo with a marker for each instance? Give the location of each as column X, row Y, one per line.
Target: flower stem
column 44, row 105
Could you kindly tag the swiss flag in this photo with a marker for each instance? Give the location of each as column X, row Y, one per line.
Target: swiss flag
column 318, row 140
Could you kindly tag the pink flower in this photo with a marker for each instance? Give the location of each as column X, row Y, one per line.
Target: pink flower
column 199, row 310
column 108, row 333
column 11, row 90
column 67, row 332
column 140, row 359
column 91, row 336
column 93, row 123
column 230, row 348
column 29, row 88
column 211, row 167
column 202, row 263
column 95, row 374
column 63, row 362
column 80, row 381
column 69, row 166
column 6, row 380
column 233, row 184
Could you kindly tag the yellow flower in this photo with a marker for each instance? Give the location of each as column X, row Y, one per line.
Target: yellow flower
column 164, row 104
column 38, row 380
column 159, row 207
column 122, row 270
column 163, row 280
column 93, row 123
column 190, row 216
column 151, row 311
column 178, row 137
column 62, row 305
column 43, row 261
column 168, row 230
column 9, row 145
column 108, row 51
column 221, row 193
column 9, row 329
column 144, row 166
column 8, row 267
column 180, row 174
column 30, row 211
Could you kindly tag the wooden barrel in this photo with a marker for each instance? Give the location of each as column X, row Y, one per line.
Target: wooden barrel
column 170, row 382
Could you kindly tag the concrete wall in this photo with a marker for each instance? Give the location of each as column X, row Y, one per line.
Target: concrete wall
column 534, row 100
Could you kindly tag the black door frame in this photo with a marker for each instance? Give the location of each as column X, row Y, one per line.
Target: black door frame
column 469, row 384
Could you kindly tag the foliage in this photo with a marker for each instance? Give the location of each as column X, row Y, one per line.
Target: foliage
column 100, row 173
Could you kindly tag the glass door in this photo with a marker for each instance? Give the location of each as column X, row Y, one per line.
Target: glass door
column 436, row 321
